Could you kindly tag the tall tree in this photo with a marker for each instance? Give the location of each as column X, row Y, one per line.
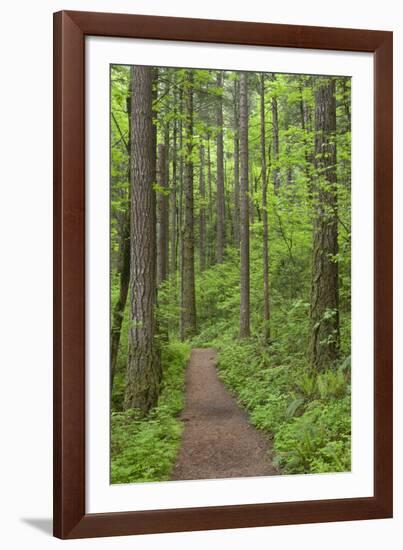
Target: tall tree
column 118, row 310
column 220, row 172
column 174, row 200
column 244, row 328
column 276, row 141
column 180, row 207
column 202, row 212
column 266, row 300
column 124, row 256
column 304, row 82
column 236, row 161
column 143, row 368
column 324, row 311
column 188, row 309
column 211, row 229
column 251, row 193
column 287, row 124
column 162, row 215
column 167, row 134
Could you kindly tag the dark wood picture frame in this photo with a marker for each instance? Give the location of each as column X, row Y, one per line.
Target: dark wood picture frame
column 70, row 517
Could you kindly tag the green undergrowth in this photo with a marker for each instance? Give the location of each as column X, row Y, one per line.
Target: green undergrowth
column 306, row 414
column 144, row 449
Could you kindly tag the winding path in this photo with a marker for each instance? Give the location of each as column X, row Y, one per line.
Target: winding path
column 218, row 440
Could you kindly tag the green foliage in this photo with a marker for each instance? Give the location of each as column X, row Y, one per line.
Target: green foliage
column 306, row 414
column 144, row 449
column 318, row 441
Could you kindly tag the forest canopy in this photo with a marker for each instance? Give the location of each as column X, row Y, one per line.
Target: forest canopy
column 230, row 229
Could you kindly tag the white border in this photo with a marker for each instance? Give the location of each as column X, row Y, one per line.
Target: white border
column 100, row 495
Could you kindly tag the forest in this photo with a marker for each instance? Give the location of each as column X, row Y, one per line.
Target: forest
column 230, row 213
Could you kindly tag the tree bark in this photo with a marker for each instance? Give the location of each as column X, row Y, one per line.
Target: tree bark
column 266, row 300
column 276, row 143
column 124, row 263
column 144, row 367
column 346, row 101
column 289, row 174
column 162, row 215
column 324, row 311
column 236, row 162
column 305, row 126
column 119, row 309
column 244, row 329
column 174, row 208
column 211, row 229
column 220, row 174
column 251, row 196
column 180, row 211
column 202, row 213
column 229, row 215
column 167, row 173
column 188, row 272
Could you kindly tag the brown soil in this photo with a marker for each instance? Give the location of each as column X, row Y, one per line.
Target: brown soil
column 218, row 440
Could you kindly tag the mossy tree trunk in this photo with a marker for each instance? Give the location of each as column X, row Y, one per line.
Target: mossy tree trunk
column 123, row 262
column 162, row 215
column 244, row 328
column 188, row 309
column 324, row 311
column 276, row 141
column 236, row 162
column 144, row 368
column 220, row 242
column 266, row 298
column 202, row 210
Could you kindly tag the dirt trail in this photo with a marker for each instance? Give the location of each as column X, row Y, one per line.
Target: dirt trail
column 218, row 440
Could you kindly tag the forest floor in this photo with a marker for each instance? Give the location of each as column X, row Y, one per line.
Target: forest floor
column 218, row 440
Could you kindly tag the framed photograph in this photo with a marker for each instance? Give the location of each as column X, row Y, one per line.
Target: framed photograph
column 222, row 274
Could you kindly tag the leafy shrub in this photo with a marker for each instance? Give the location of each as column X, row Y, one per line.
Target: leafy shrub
column 307, row 384
column 144, row 449
column 306, row 414
column 318, row 441
column 332, row 383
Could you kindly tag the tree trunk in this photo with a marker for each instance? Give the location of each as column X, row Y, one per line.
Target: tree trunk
column 188, row 274
column 167, row 175
column 244, row 329
column 180, row 211
column 144, row 367
column 236, row 162
column 202, row 213
column 276, row 144
column 251, row 196
column 289, row 176
column 124, row 263
column 324, row 312
column 266, row 300
column 229, row 215
column 174, row 208
column 220, row 174
column 305, row 127
column 119, row 309
column 346, row 101
column 256, row 201
column 210, row 247
column 162, row 215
